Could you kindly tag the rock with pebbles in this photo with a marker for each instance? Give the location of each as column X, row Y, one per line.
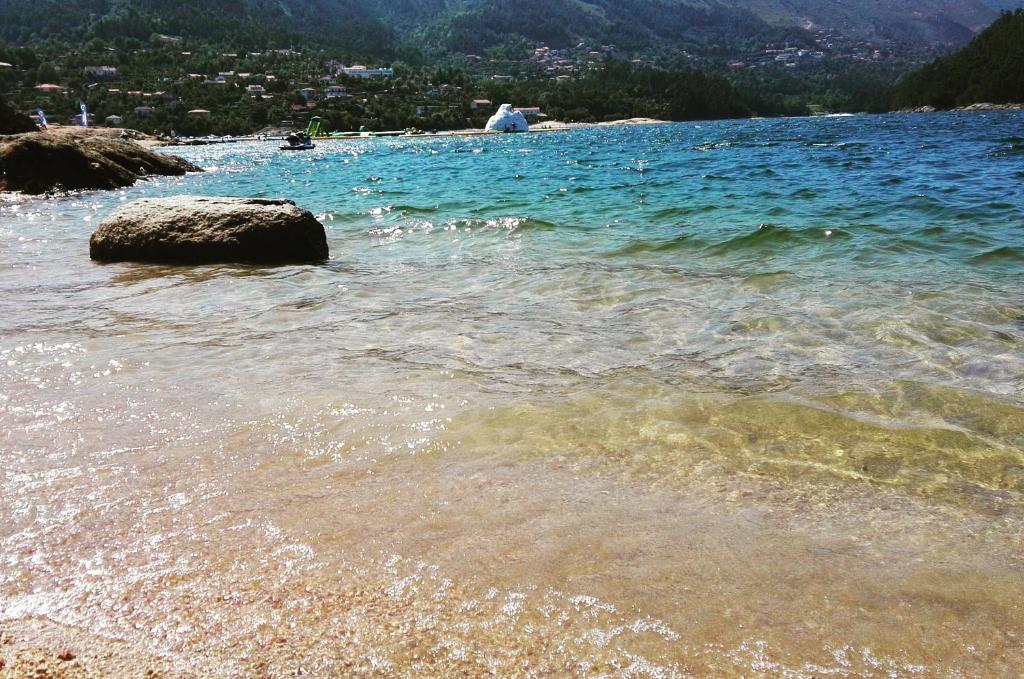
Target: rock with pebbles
column 201, row 230
column 40, row 162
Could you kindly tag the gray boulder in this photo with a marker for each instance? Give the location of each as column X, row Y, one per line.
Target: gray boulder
column 40, row 162
column 199, row 230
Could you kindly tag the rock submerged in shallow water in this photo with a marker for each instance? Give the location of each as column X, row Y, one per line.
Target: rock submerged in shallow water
column 40, row 162
column 204, row 230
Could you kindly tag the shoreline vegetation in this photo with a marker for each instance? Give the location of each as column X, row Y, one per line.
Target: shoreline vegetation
column 151, row 88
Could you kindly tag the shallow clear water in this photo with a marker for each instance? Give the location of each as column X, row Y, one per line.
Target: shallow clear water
column 695, row 399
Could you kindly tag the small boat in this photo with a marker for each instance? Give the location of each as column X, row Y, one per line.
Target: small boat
column 298, row 141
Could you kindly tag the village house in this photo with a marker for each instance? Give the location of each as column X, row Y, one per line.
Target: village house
column 256, row 90
column 426, row 110
column 479, row 103
column 100, row 72
column 335, row 92
column 113, row 121
column 360, row 71
column 529, row 111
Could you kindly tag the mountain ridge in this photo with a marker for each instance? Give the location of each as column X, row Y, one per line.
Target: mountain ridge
column 381, row 29
column 988, row 70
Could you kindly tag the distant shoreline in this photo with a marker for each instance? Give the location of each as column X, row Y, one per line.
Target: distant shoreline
column 151, row 141
column 970, row 108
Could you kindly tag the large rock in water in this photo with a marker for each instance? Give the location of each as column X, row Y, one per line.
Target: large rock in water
column 39, row 162
column 198, row 230
column 507, row 120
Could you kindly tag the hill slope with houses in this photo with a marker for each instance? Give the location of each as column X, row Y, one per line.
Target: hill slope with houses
column 184, row 67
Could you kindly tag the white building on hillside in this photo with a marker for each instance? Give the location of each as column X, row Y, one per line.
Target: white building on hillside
column 360, row 71
column 100, row 72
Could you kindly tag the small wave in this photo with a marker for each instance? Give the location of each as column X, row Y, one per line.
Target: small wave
column 1014, row 149
column 769, row 236
column 711, row 146
column 688, row 211
column 1006, row 254
column 510, row 224
column 767, row 281
column 649, row 246
column 413, row 209
column 523, row 224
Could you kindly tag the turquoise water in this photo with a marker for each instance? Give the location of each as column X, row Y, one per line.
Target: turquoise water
column 712, row 399
column 884, row 242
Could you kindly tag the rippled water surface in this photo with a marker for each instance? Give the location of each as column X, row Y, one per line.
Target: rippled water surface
column 712, row 399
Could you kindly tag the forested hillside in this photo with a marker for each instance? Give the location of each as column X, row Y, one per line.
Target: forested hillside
column 384, row 28
column 192, row 67
column 990, row 69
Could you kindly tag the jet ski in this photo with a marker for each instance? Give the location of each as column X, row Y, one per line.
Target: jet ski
column 297, row 141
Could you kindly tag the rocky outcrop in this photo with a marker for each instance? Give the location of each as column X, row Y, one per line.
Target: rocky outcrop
column 41, row 162
column 990, row 107
column 507, row 120
column 198, row 230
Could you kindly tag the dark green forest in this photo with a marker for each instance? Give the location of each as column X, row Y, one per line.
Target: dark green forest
column 391, row 29
column 990, row 69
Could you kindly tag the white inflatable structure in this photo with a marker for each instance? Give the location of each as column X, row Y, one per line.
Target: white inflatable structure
column 507, row 120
